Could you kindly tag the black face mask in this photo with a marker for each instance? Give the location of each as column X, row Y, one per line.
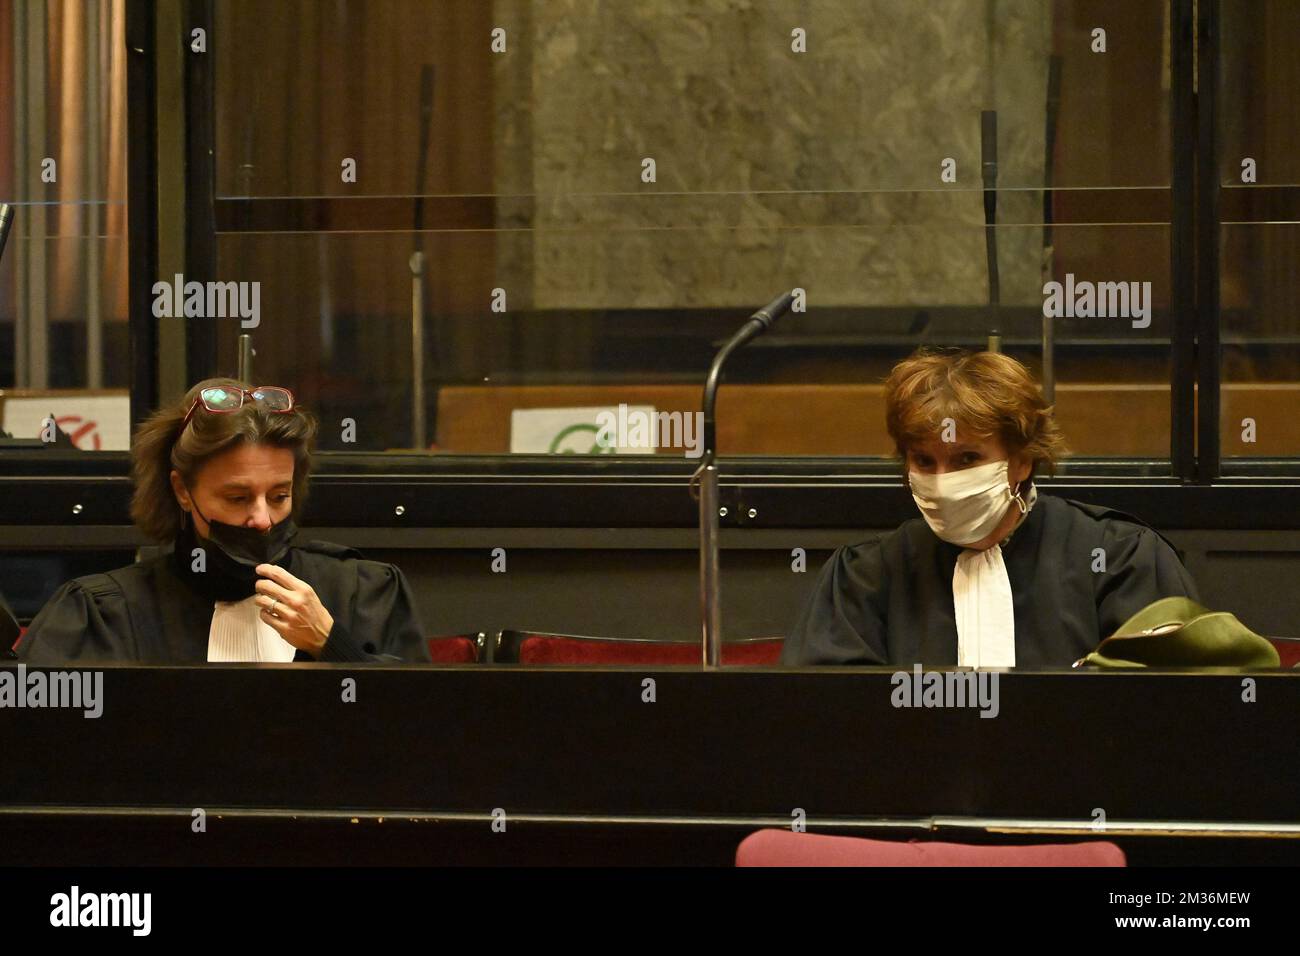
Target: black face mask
column 236, row 551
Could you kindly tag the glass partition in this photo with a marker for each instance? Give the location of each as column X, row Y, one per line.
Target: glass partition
column 64, row 348
column 1259, row 233
column 474, row 225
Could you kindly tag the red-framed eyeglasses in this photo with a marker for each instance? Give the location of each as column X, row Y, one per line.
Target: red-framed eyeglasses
column 220, row 400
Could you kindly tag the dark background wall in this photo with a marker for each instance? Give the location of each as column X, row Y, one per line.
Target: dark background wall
column 653, row 592
column 643, row 582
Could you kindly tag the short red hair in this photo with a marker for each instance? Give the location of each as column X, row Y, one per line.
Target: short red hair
column 986, row 394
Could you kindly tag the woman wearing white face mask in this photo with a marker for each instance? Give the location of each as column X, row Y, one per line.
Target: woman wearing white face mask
column 992, row 574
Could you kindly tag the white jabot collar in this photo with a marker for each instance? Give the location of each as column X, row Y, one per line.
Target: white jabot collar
column 239, row 635
column 983, row 605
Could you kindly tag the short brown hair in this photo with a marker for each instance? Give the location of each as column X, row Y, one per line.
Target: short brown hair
column 161, row 443
column 986, row 394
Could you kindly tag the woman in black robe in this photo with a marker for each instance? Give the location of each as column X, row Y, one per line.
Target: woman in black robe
column 992, row 574
column 222, row 475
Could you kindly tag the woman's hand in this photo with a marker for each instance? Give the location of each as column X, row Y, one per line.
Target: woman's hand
column 293, row 609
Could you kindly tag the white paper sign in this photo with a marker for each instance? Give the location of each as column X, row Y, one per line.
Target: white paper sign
column 95, row 421
column 574, row 431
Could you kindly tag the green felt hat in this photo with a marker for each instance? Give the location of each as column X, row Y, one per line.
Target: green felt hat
column 1178, row 632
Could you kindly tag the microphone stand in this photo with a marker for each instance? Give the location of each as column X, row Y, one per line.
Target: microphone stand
column 706, row 476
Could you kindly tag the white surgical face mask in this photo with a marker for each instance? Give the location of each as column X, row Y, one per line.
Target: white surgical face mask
column 963, row 507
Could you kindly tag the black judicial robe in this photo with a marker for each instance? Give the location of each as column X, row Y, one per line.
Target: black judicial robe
column 890, row 601
column 160, row 612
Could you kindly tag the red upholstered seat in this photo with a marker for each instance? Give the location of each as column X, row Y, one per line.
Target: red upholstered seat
column 456, row 649
column 530, row 648
column 786, row 848
column 1288, row 648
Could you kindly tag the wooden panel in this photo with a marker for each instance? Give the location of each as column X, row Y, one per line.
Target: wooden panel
column 1098, row 418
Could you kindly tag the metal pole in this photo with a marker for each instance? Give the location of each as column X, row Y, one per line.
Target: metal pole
column 1048, row 269
column 22, row 191
column 246, row 354
column 94, row 318
column 710, row 583
column 1049, row 359
column 35, row 309
column 417, row 351
column 418, row 438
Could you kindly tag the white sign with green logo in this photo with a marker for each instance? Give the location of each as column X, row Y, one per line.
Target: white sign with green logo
column 575, row 431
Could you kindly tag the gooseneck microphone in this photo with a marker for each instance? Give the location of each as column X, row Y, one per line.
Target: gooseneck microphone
column 758, row 323
column 773, row 310
column 707, row 478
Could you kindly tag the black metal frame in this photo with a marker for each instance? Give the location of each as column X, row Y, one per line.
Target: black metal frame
column 142, row 205
column 365, row 490
column 1183, row 253
column 1207, row 242
column 200, row 179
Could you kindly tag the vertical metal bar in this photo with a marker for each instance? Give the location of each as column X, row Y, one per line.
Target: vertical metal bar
column 1182, row 242
column 142, row 206
column 1207, row 258
column 418, row 438
column 38, row 148
column 1053, row 109
column 23, row 191
column 171, row 46
column 710, row 582
column 1049, row 357
column 246, row 354
column 325, row 313
column 201, row 341
column 93, row 197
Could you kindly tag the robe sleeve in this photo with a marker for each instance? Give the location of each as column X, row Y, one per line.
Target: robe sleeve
column 843, row 621
column 86, row 620
column 383, row 625
column 1140, row 568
